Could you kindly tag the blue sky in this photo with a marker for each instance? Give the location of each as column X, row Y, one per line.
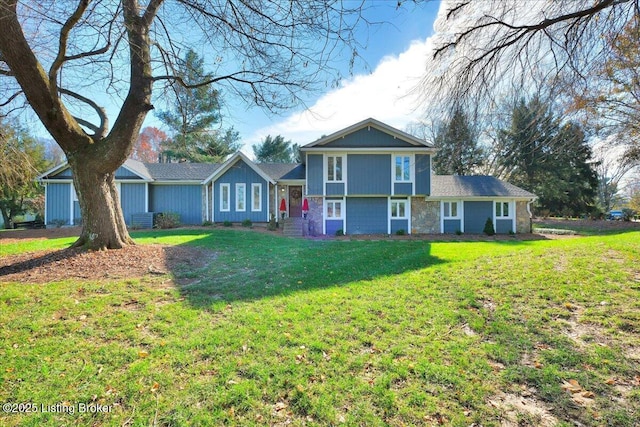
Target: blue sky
column 392, row 65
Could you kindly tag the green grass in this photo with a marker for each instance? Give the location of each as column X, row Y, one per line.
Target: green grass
column 321, row 333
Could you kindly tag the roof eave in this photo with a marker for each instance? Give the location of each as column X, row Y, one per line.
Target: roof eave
column 368, row 122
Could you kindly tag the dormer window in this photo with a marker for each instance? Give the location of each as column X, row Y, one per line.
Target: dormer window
column 402, row 168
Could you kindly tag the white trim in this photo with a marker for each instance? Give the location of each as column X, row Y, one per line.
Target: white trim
column 65, row 164
column 257, row 185
column 213, row 202
column 240, row 185
column 409, row 214
column 146, row 197
column 369, row 123
column 511, row 207
column 46, row 201
column 459, row 213
column 230, row 162
column 394, row 178
column 73, row 196
column 364, row 150
column 206, row 202
column 343, row 213
column 343, row 168
column 224, row 185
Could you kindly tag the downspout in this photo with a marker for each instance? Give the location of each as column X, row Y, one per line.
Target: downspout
column 530, row 215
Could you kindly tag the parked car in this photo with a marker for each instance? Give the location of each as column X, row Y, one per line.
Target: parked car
column 615, row 215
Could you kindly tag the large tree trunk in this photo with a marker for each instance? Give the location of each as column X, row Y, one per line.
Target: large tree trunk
column 103, row 225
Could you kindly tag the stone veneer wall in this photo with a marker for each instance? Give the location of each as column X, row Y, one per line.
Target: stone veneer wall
column 523, row 220
column 272, row 208
column 425, row 216
column 315, row 215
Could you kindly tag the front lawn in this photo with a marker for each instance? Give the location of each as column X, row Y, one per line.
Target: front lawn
column 278, row 331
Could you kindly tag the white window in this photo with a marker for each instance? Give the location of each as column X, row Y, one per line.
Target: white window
column 256, row 197
column 225, row 197
column 241, row 197
column 450, row 210
column 399, row 209
column 403, row 168
column 334, row 209
column 335, row 167
column 503, row 210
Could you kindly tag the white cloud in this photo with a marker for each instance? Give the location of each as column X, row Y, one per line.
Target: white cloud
column 385, row 94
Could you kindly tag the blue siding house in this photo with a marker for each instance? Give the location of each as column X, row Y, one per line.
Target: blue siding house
column 369, row 178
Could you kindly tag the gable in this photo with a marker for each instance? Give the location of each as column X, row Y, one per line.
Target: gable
column 368, row 137
column 63, row 172
column 240, row 172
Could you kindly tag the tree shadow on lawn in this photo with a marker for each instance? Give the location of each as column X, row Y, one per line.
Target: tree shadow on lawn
column 252, row 266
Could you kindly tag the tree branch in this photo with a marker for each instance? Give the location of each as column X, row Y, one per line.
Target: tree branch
column 62, row 45
column 99, row 131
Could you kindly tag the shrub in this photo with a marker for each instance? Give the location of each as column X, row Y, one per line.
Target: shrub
column 227, row 224
column 272, row 225
column 166, row 220
column 247, row 223
column 340, row 232
column 400, row 232
column 458, row 232
column 488, row 228
column 207, row 223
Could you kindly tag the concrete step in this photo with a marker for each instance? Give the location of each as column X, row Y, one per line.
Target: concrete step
column 294, row 227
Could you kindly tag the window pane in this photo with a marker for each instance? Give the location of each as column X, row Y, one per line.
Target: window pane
column 338, row 209
column 398, row 168
column 498, row 209
column 454, row 209
column 401, row 207
column 329, row 209
column 256, row 197
column 446, row 210
column 330, row 174
column 240, row 197
column 225, row 197
column 394, row 209
column 505, row 209
column 338, row 168
column 406, row 170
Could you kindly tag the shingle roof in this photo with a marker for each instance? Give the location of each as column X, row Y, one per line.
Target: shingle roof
column 278, row 171
column 475, row 186
column 181, row 171
column 138, row 167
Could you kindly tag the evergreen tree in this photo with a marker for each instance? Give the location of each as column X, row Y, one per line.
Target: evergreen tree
column 275, row 150
column 550, row 160
column 457, row 141
column 195, row 114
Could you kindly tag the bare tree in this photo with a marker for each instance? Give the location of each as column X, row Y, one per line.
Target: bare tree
column 491, row 47
column 268, row 53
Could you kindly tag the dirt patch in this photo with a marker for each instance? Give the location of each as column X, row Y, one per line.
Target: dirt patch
column 522, row 409
column 129, row 262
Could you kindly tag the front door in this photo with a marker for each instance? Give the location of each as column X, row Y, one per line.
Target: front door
column 295, row 201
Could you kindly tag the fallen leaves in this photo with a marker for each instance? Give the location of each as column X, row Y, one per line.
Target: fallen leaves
column 128, row 262
column 579, row 395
